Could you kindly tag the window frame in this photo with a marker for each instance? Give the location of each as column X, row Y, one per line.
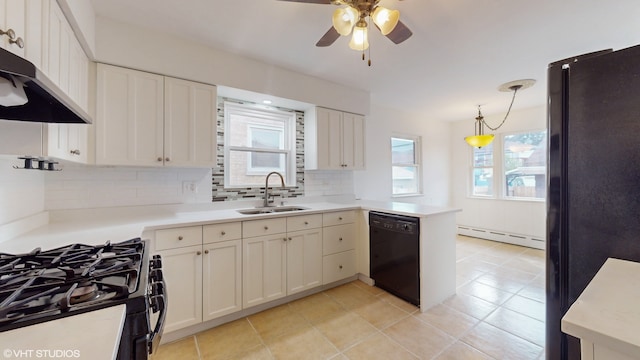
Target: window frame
column 288, row 120
column 472, row 167
column 417, row 163
column 503, row 173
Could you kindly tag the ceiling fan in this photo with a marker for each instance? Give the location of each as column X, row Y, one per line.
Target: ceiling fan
column 353, row 16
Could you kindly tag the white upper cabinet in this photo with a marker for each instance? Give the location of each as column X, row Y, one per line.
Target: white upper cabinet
column 147, row 119
column 12, row 18
column 190, row 123
column 333, row 140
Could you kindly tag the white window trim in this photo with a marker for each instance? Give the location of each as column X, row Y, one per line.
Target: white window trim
column 289, row 138
column 499, row 188
column 417, row 141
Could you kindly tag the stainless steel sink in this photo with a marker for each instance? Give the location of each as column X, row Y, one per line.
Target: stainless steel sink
column 270, row 210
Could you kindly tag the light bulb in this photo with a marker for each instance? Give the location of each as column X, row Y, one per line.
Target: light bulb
column 385, row 19
column 359, row 40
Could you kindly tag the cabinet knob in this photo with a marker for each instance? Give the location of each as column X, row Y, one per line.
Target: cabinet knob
column 206, row 251
column 167, row 159
column 198, row 252
column 306, row 223
column 18, row 42
column 75, row 152
column 340, row 218
column 284, row 239
column 223, row 233
column 266, row 228
column 159, row 158
column 289, row 239
column 10, row 33
column 340, row 267
column 340, row 239
column 180, row 237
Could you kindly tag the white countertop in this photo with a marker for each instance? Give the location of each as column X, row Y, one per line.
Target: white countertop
column 608, row 310
column 96, row 226
column 92, row 335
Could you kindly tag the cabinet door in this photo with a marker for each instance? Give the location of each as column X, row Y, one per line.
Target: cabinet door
column 68, row 142
column 37, row 33
column 129, row 120
column 190, row 123
column 182, row 270
column 12, row 16
column 329, row 143
column 353, row 141
column 304, row 260
column 264, row 267
column 222, row 278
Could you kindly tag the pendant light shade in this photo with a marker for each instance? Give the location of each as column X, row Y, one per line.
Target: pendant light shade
column 385, row 19
column 344, row 19
column 359, row 39
column 479, row 140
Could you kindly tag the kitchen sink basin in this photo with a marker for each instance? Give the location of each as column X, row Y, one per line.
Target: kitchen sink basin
column 270, row 210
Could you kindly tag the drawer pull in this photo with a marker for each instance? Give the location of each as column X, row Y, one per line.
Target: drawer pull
column 198, row 252
column 180, row 237
column 223, row 233
column 75, row 152
column 306, row 223
column 206, row 251
column 340, row 218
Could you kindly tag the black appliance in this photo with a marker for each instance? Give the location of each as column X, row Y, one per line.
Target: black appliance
column 593, row 204
column 46, row 101
column 47, row 285
column 394, row 260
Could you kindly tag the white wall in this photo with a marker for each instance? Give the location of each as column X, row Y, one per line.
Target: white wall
column 124, row 45
column 374, row 183
column 518, row 217
column 21, row 191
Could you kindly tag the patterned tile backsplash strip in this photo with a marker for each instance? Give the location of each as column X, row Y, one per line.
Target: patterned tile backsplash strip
column 220, row 193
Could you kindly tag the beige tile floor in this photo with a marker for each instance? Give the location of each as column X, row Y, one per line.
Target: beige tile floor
column 497, row 313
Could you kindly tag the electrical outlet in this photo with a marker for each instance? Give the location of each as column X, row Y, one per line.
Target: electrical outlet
column 189, row 187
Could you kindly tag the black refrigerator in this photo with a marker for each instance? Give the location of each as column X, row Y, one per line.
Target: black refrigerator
column 593, row 201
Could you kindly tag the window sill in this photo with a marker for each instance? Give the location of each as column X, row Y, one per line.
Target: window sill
column 406, row 195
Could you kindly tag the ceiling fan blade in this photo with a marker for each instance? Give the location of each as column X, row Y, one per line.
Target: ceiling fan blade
column 310, row 1
column 328, row 38
column 400, row 33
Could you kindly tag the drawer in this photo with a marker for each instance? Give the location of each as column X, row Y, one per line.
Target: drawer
column 338, row 217
column 178, row 237
column 338, row 266
column 221, row 232
column 338, row 238
column 254, row 228
column 303, row 222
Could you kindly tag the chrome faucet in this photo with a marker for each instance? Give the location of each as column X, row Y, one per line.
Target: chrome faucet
column 266, row 187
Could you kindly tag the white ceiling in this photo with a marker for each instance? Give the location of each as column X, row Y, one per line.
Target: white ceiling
column 460, row 51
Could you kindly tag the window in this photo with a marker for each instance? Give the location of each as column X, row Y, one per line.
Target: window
column 482, row 171
column 405, row 165
column 257, row 142
column 525, row 165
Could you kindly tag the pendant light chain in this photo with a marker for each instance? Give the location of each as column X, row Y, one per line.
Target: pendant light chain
column 515, row 90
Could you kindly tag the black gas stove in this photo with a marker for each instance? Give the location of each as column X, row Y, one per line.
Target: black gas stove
column 47, row 285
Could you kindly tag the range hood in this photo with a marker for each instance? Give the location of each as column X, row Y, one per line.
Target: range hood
column 45, row 102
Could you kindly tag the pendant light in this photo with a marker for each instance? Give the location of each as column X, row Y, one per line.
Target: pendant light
column 479, row 139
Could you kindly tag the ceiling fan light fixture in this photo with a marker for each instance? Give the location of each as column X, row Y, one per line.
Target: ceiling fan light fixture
column 344, row 19
column 359, row 39
column 385, row 19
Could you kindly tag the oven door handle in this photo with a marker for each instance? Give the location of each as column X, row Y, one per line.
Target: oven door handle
column 159, row 302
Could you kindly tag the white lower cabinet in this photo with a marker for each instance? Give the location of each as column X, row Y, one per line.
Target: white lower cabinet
column 338, row 246
column 264, row 268
column 182, row 270
column 304, row 262
column 222, row 278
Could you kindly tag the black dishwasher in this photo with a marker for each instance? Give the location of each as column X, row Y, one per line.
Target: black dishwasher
column 394, row 254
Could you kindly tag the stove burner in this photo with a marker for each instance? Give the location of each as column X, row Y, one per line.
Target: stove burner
column 83, row 293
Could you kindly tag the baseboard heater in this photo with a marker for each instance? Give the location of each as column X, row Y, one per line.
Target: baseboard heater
column 502, row 236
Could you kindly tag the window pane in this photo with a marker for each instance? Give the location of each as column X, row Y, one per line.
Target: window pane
column 525, row 167
column 483, row 156
column 266, row 138
column 244, row 172
column 483, row 182
column 405, row 180
column 243, row 127
column 402, row 151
